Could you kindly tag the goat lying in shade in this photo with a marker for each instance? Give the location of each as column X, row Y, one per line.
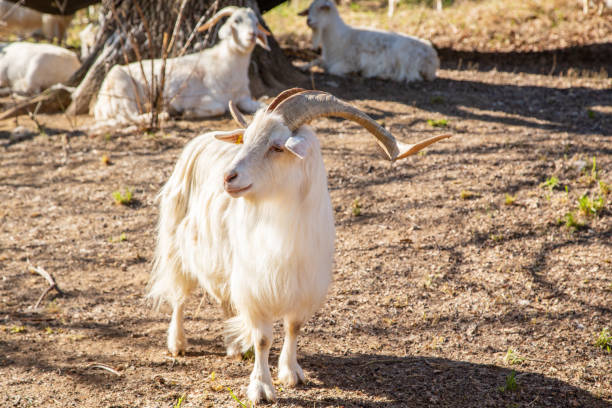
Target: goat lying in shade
column 371, row 53
column 196, row 85
column 250, row 220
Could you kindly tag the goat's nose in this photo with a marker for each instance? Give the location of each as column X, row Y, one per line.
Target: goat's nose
column 229, row 176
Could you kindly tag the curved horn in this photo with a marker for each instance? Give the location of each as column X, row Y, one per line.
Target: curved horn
column 303, row 107
column 300, row 107
column 282, row 96
column 237, row 115
column 224, row 12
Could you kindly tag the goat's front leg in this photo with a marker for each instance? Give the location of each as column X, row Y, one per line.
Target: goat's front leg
column 176, row 332
column 317, row 62
column 247, row 104
column 261, row 387
column 289, row 371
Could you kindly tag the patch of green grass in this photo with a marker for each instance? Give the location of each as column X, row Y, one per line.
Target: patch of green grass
column 356, row 208
column 571, row 222
column 240, row 403
column 590, row 113
column 509, row 199
column 604, row 188
column 551, row 183
column 17, row 329
column 123, row 199
column 437, row 99
column 179, row 402
column 513, row 358
column 467, row 195
column 594, row 175
column 249, row 355
column 604, row 340
column 511, row 384
column 437, row 122
column 590, row 206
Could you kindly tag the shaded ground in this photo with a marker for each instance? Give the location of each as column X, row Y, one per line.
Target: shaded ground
column 457, row 256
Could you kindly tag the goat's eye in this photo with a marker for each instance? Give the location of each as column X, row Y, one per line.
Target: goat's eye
column 275, row 148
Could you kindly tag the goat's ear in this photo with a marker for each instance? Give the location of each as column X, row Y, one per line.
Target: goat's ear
column 231, row 136
column 298, row 146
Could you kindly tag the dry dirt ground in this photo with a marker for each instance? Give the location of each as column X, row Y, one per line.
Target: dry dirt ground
column 453, row 275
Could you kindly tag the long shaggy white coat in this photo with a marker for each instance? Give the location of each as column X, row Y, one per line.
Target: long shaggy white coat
column 263, row 255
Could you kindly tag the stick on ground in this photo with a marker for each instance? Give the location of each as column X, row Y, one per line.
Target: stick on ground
column 50, row 279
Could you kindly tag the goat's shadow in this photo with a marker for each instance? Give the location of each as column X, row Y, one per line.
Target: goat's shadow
column 558, row 109
column 420, row 381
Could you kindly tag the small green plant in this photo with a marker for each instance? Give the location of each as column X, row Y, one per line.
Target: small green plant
column 594, row 176
column 604, row 188
column 437, row 122
column 123, row 199
column 18, row 329
column 437, row 99
column 179, row 402
column 511, row 384
column 591, row 114
column 249, row 355
column 589, row 206
column 509, row 199
column 356, row 208
column 551, row 183
column 467, row 195
column 242, row 404
column 604, row 340
column 571, row 222
column 513, row 358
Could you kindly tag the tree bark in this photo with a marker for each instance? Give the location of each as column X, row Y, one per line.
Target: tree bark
column 134, row 29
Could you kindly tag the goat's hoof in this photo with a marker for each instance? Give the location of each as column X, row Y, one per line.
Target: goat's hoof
column 291, row 376
column 259, row 391
column 177, row 346
column 233, row 351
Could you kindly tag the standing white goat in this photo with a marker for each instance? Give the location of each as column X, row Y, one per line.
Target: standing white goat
column 371, row 53
column 30, row 68
column 23, row 21
column 196, row 85
column 251, row 221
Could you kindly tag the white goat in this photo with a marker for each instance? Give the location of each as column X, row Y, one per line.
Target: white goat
column 196, row 85
column 30, row 68
column 251, row 221
column 24, row 21
column 371, row 53
column 88, row 37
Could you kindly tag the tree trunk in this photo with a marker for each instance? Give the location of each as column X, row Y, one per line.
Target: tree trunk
column 135, row 29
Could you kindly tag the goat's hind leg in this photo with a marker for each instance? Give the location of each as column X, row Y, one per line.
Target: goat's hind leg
column 177, row 342
column 289, row 371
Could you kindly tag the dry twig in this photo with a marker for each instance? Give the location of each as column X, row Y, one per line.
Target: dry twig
column 104, row 367
column 50, row 279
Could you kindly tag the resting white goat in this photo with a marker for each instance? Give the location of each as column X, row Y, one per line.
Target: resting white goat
column 30, row 68
column 196, row 85
column 371, row 53
column 23, row 21
column 251, row 221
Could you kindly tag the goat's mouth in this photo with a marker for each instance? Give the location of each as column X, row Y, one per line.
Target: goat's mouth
column 236, row 192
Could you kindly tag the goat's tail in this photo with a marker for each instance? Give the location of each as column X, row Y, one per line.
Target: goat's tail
column 238, row 333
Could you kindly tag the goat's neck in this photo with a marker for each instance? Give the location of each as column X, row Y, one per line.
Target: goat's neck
column 333, row 36
column 231, row 57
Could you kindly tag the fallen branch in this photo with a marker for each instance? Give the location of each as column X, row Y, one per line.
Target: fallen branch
column 104, row 367
column 52, row 284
